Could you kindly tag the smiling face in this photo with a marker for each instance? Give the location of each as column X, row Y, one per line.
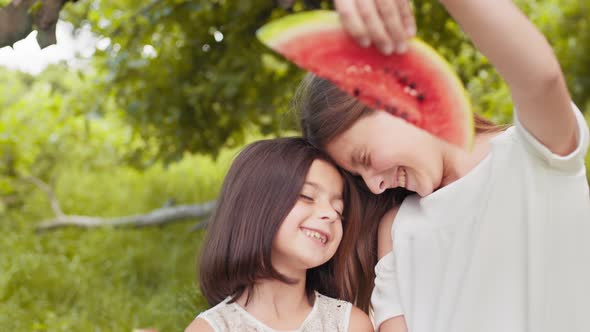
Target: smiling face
column 310, row 234
column 388, row 153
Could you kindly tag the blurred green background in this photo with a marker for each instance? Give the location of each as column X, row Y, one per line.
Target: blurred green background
column 153, row 118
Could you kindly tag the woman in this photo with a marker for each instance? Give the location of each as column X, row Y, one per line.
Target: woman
column 487, row 240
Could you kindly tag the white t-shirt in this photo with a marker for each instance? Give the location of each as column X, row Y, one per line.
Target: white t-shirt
column 506, row 248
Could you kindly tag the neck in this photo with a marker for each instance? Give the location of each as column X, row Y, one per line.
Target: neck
column 457, row 162
column 271, row 297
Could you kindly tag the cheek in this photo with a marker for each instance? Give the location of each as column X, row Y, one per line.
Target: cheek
column 387, row 151
column 429, row 159
column 295, row 217
column 381, row 161
column 287, row 230
column 338, row 234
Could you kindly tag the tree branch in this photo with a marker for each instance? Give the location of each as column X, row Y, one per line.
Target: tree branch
column 49, row 192
column 15, row 22
column 18, row 19
column 156, row 217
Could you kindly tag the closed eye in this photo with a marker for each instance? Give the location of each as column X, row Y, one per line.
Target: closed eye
column 339, row 208
column 366, row 160
column 305, row 197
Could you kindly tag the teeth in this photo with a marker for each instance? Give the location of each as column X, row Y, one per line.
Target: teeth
column 401, row 180
column 315, row 235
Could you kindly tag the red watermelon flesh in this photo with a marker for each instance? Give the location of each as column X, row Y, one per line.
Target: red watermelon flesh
column 418, row 86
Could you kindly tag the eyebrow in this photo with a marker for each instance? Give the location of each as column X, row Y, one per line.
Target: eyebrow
column 353, row 157
column 317, row 186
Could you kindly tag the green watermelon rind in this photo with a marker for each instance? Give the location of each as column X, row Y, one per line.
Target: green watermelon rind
column 285, row 28
column 282, row 30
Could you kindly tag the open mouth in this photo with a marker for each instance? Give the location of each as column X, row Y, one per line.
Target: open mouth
column 315, row 235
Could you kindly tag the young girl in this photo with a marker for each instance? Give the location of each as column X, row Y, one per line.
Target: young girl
column 276, row 253
column 496, row 239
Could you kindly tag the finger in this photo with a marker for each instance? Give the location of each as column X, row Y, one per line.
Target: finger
column 352, row 21
column 393, row 24
column 407, row 17
column 375, row 27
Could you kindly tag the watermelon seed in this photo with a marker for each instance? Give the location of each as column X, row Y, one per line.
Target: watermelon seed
column 404, row 115
column 413, row 85
column 391, row 109
column 356, row 92
column 403, row 80
column 410, row 91
column 420, row 97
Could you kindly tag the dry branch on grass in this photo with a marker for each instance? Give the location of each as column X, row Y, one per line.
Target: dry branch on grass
column 156, row 217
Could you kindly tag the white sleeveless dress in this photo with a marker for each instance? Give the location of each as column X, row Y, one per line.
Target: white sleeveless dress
column 327, row 314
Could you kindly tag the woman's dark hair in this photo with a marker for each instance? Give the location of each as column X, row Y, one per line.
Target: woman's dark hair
column 325, row 112
column 260, row 189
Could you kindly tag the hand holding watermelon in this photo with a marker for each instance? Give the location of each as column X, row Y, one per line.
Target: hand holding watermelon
column 387, row 24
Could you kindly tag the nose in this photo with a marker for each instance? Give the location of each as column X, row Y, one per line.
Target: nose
column 327, row 212
column 376, row 183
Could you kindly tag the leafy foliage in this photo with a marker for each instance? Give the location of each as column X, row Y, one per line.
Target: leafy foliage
column 191, row 74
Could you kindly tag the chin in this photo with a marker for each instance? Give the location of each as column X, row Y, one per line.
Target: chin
column 313, row 263
column 422, row 192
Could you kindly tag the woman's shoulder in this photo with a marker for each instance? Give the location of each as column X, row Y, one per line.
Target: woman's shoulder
column 384, row 238
column 387, row 220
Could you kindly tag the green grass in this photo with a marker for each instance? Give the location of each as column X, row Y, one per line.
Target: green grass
column 99, row 280
column 106, row 279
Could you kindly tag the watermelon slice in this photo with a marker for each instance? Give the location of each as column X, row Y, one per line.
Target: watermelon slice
column 418, row 86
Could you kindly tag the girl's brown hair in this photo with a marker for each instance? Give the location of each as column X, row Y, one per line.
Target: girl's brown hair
column 326, row 112
column 260, row 189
